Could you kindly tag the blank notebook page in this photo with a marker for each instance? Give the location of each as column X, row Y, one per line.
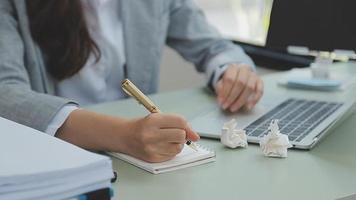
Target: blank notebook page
column 187, row 158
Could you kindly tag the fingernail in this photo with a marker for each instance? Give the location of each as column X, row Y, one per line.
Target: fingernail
column 225, row 106
column 236, row 108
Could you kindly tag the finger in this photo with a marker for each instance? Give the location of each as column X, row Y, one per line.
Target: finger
column 240, row 82
column 177, row 136
column 247, row 92
column 169, row 121
column 173, row 149
column 258, row 94
column 228, row 82
column 219, row 91
column 191, row 134
column 169, row 149
column 177, row 122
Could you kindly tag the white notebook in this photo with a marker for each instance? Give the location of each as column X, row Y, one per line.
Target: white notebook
column 187, row 158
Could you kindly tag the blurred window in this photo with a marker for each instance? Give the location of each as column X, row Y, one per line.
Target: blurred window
column 242, row 20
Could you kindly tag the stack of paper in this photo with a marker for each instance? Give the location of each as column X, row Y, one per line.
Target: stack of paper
column 34, row 165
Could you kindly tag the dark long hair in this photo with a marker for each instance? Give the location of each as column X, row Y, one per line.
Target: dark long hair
column 60, row 30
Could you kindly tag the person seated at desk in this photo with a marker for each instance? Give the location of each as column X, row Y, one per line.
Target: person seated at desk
column 58, row 54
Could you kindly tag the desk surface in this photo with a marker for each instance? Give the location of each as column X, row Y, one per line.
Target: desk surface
column 326, row 172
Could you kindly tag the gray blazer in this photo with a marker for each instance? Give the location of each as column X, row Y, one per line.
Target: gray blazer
column 27, row 90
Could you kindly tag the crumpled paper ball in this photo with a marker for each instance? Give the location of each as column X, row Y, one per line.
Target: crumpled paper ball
column 232, row 137
column 275, row 144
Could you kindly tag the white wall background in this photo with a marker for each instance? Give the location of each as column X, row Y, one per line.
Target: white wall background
column 177, row 74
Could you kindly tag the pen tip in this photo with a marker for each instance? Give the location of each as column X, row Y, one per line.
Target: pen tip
column 193, row 146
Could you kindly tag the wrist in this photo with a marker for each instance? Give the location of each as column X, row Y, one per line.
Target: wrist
column 121, row 135
column 95, row 131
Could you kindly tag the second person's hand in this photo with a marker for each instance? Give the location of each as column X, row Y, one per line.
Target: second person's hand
column 239, row 87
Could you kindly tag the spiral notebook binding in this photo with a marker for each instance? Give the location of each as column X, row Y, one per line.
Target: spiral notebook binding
column 199, row 146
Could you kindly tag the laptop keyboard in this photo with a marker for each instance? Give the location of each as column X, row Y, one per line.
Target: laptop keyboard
column 297, row 118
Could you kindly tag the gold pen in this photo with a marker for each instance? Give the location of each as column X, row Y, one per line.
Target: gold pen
column 133, row 91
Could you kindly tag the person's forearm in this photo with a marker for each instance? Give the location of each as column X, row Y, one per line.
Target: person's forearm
column 153, row 138
column 94, row 131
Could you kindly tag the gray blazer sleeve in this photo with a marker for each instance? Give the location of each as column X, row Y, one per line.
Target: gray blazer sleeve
column 18, row 102
column 190, row 34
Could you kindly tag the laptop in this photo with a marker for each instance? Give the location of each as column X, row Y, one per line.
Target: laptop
column 305, row 121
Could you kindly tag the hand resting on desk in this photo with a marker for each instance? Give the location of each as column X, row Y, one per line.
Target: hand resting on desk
column 239, row 87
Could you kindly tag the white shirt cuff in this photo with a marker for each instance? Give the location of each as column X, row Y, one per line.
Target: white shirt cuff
column 60, row 118
column 219, row 71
